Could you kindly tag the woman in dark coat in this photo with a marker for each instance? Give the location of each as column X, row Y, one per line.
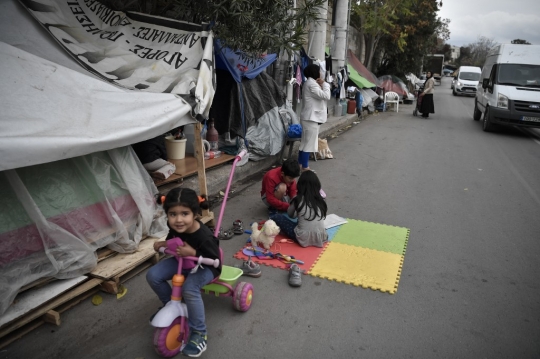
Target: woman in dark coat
column 427, row 106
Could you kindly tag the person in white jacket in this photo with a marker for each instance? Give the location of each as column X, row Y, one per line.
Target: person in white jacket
column 315, row 94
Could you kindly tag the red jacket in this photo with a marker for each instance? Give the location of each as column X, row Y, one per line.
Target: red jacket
column 270, row 180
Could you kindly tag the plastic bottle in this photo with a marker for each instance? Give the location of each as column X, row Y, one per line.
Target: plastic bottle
column 212, row 136
column 212, row 154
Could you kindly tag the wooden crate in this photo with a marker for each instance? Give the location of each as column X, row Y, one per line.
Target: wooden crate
column 44, row 304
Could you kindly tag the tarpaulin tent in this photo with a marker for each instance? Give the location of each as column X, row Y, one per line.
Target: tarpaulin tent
column 394, row 84
column 360, row 81
column 57, row 116
column 239, row 65
column 361, row 69
column 247, row 101
column 73, row 96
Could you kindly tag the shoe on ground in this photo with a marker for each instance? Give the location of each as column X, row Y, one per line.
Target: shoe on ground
column 250, row 268
column 295, row 277
column 238, row 227
column 196, row 345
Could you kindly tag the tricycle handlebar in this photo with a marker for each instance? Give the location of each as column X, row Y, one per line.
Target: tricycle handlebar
column 198, row 260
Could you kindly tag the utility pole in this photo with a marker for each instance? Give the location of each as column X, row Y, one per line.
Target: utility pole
column 340, row 28
column 317, row 34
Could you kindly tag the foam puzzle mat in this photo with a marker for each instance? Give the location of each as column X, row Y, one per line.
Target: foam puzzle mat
column 360, row 253
column 364, row 254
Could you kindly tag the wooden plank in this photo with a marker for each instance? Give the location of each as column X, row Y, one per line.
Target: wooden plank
column 120, row 263
column 7, row 340
column 29, row 300
column 172, row 179
column 52, row 317
column 208, row 218
column 110, row 286
column 40, row 311
column 188, row 166
column 104, row 253
column 22, row 331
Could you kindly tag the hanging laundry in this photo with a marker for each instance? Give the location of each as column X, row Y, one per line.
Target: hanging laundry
column 298, row 82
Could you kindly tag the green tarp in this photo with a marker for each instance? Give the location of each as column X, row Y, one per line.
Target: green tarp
column 360, row 81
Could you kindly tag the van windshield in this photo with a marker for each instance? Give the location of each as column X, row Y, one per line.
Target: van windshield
column 469, row 76
column 519, row 75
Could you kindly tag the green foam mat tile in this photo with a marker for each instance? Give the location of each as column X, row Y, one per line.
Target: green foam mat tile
column 375, row 236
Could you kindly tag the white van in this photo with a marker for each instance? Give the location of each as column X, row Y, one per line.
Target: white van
column 466, row 80
column 510, row 89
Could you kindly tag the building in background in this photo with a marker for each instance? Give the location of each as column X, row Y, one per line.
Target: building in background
column 454, row 53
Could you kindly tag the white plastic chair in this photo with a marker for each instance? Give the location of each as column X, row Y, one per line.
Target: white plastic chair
column 391, row 97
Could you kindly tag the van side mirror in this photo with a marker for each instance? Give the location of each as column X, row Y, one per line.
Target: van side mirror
column 485, row 83
column 455, row 77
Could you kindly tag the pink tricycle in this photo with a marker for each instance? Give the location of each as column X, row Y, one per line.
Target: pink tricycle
column 172, row 331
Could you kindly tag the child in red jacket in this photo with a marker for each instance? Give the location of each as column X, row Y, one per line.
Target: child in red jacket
column 279, row 186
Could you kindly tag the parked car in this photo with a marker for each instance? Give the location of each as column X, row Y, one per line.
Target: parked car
column 510, row 88
column 466, row 81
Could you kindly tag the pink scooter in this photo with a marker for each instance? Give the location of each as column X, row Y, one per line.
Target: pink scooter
column 172, row 331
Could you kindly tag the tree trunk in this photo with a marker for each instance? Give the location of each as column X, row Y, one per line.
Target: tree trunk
column 369, row 51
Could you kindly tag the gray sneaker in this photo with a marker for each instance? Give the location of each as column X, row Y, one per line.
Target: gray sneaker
column 251, row 268
column 295, row 277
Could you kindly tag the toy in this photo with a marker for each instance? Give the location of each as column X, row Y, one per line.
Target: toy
column 266, row 235
column 266, row 254
column 172, row 330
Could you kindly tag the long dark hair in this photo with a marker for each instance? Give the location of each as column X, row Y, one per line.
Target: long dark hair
column 313, row 71
column 309, row 196
column 184, row 197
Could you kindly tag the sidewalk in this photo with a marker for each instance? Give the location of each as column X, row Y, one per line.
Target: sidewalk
column 216, row 178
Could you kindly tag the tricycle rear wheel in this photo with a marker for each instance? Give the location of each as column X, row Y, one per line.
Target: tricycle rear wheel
column 243, row 296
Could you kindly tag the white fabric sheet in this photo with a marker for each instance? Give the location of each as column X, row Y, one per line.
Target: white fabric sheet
column 51, row 113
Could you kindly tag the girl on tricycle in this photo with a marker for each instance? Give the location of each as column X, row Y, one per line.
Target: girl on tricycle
column 196, row 267
column 181, row 206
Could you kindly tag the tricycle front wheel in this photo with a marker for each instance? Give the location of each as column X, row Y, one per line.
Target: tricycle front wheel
column 243, row 296
column 169, row 341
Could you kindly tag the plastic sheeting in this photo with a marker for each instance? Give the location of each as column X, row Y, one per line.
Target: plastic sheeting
column 369, row 98
column 56, row 215
column 267, row 136
column 51, row 113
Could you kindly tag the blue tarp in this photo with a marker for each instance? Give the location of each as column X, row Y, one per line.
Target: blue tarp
column 238, row 65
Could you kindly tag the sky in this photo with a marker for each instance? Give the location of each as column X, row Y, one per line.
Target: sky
column 499, row 20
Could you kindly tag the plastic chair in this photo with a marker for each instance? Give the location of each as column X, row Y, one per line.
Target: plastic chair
column 391, row 97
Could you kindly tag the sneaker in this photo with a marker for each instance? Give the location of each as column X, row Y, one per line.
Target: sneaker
column 295, row 277
column 251, row 268
column 196, row 345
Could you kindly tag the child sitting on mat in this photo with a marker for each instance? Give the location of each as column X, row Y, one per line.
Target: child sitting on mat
column 279, row 186
column 310, row 208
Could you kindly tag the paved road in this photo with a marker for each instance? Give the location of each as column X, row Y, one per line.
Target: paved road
column 469, row 286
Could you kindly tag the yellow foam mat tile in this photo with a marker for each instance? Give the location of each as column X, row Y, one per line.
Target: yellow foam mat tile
column 359, row 266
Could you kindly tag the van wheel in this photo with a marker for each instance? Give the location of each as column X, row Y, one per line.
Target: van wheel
column 476, row 114
column 487, row 125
